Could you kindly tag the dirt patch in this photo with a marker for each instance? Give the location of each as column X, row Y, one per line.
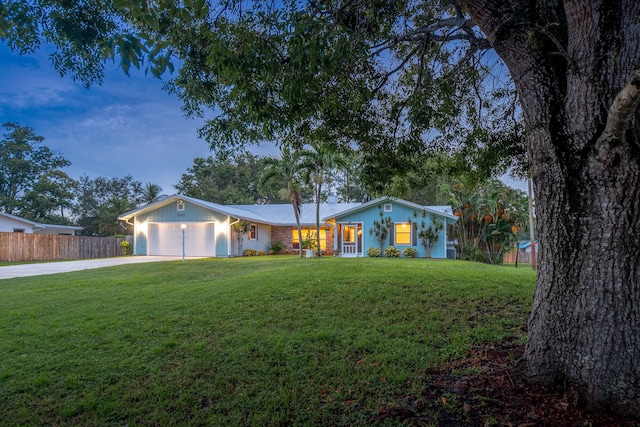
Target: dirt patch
column 488, row 388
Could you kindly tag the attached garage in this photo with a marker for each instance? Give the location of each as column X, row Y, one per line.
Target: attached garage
column 166, row 239
column 208, row 228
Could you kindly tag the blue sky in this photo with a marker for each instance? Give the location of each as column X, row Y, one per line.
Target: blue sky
column 129, row 125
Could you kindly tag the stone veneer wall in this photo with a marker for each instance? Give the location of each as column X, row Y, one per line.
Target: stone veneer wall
column 284, row 235
column 329, row 250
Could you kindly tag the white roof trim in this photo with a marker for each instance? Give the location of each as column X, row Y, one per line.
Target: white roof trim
column 40, row 225
column 17, row 218
column 246, row 212
column 225, row 210
column 381, row 200
column 62, row 227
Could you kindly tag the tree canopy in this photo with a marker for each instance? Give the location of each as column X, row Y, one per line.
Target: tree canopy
column 99, row 202
column 29, row 170
column 396, row 77
column 231, row 180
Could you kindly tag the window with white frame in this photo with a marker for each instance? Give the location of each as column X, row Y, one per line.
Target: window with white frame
column 253, row 232
column 180, row 205
column 388, row 207
column 403, row 233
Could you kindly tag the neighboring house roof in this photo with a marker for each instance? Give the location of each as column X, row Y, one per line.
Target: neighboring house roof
column 525, row 245
column 439, row 210
column 282, row 214
column 17, row 218
column 60, row 227
column 38, row 225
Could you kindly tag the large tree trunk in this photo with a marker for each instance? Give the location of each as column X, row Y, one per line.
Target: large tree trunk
column 575, row 66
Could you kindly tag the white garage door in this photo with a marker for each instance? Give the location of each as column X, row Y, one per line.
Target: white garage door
column 166, row 239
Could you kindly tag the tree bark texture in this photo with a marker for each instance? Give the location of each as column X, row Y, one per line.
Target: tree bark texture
column 575, row 65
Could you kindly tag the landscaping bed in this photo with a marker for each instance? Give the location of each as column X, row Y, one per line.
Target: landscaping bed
column 487, row 387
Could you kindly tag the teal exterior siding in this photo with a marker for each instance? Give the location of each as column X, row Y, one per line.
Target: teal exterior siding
column 191, row 213
column 399, row 214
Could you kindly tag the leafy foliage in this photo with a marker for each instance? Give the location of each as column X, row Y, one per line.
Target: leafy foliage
column 428, row 231
column 489, row 217
column 392, row 252
column 151, row 192
column 232, row 180
column 49, row 199
column 99, row 202
column 373, row 252
column 397, row 78
column 85, row 35
column 240, row 227
column 126, row 247
column 380, row 229
column 410, row 252
column 309, row 241
column 318, row 162
column 31, row 180
column 276, row 247
column 348, row 178
column 284, row 175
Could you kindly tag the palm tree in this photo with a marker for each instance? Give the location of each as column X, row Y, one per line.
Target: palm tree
column 151, row 193
column 284, row 174
column 318, row 162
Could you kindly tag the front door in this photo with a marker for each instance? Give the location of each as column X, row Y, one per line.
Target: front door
column 350, row 240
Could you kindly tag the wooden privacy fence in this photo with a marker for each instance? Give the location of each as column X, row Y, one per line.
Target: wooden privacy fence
column 524, row 257
column 17, row 247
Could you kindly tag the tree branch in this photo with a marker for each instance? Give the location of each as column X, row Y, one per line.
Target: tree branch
column 428, row 33
column 386, row 77
column 622, row 109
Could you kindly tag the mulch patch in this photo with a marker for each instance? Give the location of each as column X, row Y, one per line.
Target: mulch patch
column 488, row 388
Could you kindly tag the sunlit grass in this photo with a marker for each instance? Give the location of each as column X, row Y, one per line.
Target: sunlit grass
column 247, row 341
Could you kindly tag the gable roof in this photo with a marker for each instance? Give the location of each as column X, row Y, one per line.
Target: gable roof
column 38, row 225
column 282, row 214
column 223, row 209
column 271, row 214
column 437, row 210
column 17, row 218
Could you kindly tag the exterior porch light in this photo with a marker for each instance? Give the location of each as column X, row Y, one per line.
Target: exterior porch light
column 183, row 227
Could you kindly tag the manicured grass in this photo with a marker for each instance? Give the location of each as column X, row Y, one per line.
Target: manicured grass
column 246, row 341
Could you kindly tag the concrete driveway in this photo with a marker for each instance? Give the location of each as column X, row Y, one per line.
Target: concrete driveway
column 24, row 270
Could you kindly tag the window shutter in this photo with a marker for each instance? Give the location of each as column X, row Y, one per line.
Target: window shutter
column 392, row 229
column 414, row 234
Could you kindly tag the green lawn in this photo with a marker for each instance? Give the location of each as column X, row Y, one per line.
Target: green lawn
column 246, row 341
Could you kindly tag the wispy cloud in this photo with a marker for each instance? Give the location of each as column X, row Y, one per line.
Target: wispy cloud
column 24, row 86
column 126, row 126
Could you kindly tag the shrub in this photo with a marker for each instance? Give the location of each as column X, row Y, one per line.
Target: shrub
column 410, row 252
column 276, row 247
column 392, row 252
column 373, row 252
column 250, row 252
column 126, row 247
column 262, row 252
